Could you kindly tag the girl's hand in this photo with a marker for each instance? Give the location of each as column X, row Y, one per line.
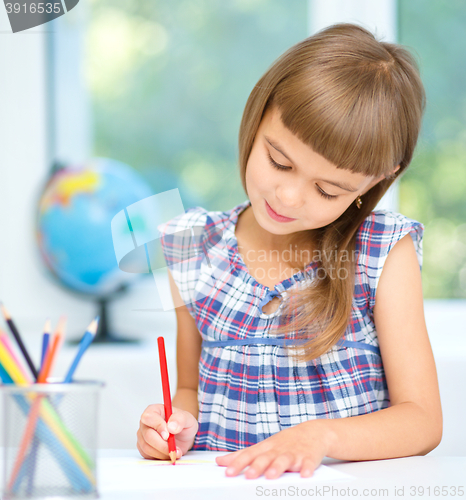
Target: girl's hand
column 297, row 449
column 153, row 432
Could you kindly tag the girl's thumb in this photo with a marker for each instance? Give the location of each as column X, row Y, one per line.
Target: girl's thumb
column 173, row 427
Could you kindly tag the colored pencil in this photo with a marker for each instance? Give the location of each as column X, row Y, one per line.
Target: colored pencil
column 51, row 429
column 167, row 401
column 86, row 340
column 26, row 440
column 35, row 407
column 49, row 415
column 11, row 367
column 6, row 342
column 31, row 459
column 51, row 352
column 45, row 342
column 18, row 339
column 56, row 445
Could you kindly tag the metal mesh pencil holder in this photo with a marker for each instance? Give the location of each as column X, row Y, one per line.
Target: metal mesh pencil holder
column 50, row 436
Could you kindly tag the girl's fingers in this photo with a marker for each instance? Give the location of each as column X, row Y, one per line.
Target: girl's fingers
column 146, row 448
column 242, row 460
column 308, row 467
column 154, row 440
column 279, row 466
column 177, row 422
column 147, row 451
column 153, row 432
column 259, row 465
column 266, row 463
column 141, row 449
column 153, row 415
column 160, row 426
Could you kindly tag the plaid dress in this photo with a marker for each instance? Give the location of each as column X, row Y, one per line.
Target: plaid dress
column 249, row 388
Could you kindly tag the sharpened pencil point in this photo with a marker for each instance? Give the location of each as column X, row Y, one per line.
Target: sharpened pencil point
column 61, row 326
column 172, row 456
column 5, row 312
column 92, row 328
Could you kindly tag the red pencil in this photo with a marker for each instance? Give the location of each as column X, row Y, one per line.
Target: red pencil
column 167, row 400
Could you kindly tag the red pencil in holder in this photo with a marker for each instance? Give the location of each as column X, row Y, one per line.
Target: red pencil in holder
column 167, row 401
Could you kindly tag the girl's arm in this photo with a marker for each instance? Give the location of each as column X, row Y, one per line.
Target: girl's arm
column 412, row 425
column 153, row 430
column 188, row 352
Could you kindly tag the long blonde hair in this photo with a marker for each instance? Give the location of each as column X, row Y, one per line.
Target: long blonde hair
column 357, row 102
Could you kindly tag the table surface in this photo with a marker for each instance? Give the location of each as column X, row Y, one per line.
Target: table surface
column 410, row 477
column 124, row 475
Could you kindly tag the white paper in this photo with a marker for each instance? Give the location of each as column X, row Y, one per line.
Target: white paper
column 195, row 470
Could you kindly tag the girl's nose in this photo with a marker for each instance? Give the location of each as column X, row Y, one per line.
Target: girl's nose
column 290, row 196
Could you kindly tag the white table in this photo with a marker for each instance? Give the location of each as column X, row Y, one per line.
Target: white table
column 395, row 478
column 124, row 475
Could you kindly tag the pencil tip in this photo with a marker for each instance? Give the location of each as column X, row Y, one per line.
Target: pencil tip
column 172, row 455
column 61, row 326
column 4, row 311
column 92, row 328
column 47, row 326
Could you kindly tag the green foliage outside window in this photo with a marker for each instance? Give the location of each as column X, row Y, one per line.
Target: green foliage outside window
column 433, row 190
column 169, row 80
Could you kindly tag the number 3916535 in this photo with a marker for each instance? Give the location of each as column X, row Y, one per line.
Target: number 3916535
column 40, row 8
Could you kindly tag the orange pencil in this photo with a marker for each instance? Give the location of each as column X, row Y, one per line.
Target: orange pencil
column 167, row 400
column 51, row 352
column 27, row 438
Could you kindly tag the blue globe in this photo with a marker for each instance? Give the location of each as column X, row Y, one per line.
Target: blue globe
column 74, row 223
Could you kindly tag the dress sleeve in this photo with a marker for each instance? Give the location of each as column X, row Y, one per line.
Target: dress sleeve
column 183, row 239
column 378, row 234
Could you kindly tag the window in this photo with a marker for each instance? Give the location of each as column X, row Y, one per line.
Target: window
column 162, row 86
column 166, row 84
column 433, row 190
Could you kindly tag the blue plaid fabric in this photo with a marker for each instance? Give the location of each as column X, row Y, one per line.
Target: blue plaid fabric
column 249, row 388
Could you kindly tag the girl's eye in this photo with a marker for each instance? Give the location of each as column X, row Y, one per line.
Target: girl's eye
column 277, row 165
column 325, row 195
column 282, row 167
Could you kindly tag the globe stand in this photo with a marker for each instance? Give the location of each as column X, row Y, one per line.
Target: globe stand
column 103, row 335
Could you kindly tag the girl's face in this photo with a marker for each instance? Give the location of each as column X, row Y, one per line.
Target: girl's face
column 286, row 175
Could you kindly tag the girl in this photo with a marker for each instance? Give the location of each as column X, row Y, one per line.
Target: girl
column 301, row 331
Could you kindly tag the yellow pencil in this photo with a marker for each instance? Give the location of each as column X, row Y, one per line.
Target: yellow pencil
column 4, row 339
column 11, row 367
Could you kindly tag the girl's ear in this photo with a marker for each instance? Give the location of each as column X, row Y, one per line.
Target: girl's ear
column 392, row 173
column 381, row 178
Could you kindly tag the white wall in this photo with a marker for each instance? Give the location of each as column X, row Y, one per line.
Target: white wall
column 25, row 160
column 23, row 166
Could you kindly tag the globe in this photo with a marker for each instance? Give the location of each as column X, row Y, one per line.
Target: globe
column 74, row 224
